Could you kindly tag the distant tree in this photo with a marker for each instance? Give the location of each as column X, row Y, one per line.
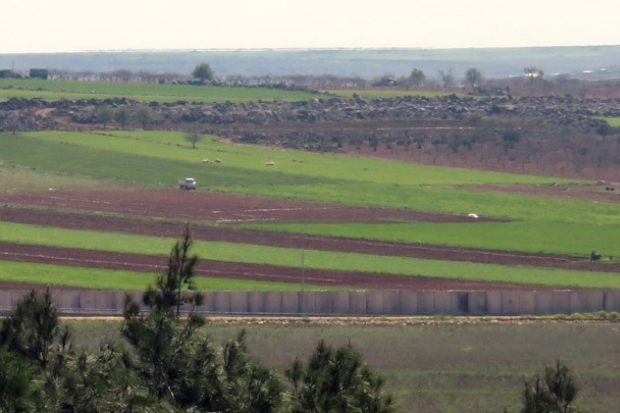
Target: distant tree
column 98, row 381
column 336, row 381
column 555, row 392
column 385, row 81
column 179, row 365
column 32, row 328
column 193, row 138
column 473, row 77
column 39, row 74
column 124, row 75
column 15, row 378
column 121, row 115
column 204, row 73
column 533, row 73
column 374, row 143
column 180, row 272
column 417, row 78
column 510, row 138
column 104, row 115
column 143, row 116
column 447, row 78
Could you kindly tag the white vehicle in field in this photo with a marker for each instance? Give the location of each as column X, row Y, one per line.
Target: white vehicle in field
column 187, row 183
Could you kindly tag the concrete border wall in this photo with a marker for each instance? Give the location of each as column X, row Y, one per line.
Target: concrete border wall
column 343, row 303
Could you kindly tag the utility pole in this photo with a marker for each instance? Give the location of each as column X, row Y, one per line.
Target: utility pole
column 303, row 281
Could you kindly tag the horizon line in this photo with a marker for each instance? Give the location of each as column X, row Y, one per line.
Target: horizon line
column 298, row 49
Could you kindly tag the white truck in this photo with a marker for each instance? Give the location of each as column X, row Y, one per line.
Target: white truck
column 187, row 183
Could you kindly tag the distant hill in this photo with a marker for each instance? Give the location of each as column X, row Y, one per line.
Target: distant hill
column 593, row 62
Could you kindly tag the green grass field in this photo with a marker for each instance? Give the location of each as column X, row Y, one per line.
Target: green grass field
column 155, row 159
column 126, row 280
column 614, row 122
column 446, row 367
column 147, row 92
column 114, row 242
column 529, row 236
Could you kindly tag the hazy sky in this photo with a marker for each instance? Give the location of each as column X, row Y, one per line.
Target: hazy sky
column 80, row 25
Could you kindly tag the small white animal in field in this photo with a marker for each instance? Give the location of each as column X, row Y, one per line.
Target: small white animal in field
column 206, row 160
column 472, row 215
column 217, row 160
column 270, row 163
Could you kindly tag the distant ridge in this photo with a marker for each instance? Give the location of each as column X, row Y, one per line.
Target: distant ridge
column 576, row 61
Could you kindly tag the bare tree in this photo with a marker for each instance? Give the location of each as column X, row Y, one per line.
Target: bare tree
column 417, row 78
column 473, row 77
column 193, row 138
column 143, row 116
column 447, row 78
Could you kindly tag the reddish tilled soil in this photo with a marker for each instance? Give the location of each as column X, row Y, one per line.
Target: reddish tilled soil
column 83, row 210
column 215, row 207
column 222, row 269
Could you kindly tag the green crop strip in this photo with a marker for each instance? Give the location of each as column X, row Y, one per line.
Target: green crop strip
column 125, row 280
column 30, row 234
column 526, row 236
column 58, row 89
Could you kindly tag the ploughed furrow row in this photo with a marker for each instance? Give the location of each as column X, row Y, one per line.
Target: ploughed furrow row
column 151, row 227
column 234, row 270
column 216, row 207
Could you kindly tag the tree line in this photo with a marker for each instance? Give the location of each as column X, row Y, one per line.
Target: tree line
column 171, row 365
column 532, row 81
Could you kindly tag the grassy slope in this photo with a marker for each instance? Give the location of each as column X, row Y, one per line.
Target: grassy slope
column 157, row 159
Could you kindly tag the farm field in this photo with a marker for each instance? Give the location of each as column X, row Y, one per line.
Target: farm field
column 400, row 226
column 436, row 364
column 100, row 209
column 61, row 89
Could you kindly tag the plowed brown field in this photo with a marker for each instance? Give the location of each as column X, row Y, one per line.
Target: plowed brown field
column 164, row 213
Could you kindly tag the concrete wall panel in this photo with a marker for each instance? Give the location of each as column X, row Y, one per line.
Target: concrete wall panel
column 239, row 302
column 543, row 302
column 290, row 302
column 308, row 302
column 494, row 303
column 476, row 303
column 510, row 303
column 561, row 302
column 409, row 302
column 445, row 302
column 88, row 300
column 586, row 301
column 342, row 302
column 527, row 302
column 353, row 302
column 611, row 300
column 70, row 300
column 391, row 303
column 324, row 302
column 256, row 302
column 426, row 302
column 273, row 302
column 222, row 303
column 374, row 302
column 357, row 303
